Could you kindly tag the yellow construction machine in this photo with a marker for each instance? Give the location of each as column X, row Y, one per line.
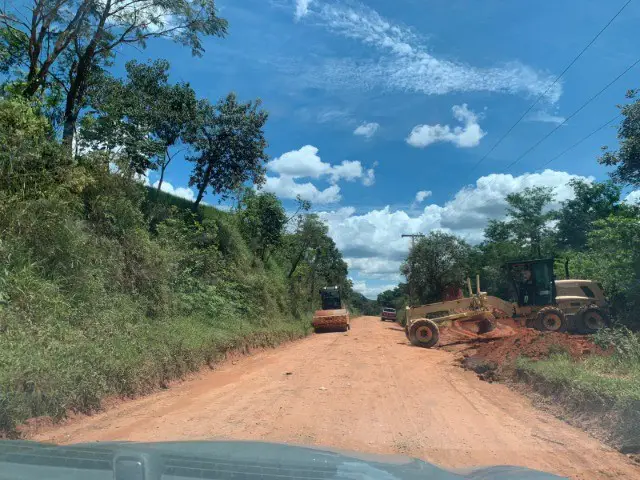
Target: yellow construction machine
column 538, row 301
column 334, row 315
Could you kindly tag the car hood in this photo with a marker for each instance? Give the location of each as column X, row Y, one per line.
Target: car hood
column 223, row 461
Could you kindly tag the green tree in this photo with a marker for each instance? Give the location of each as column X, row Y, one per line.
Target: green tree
column 79, row 36
column 309, row 231
column 436, row 262
column 263, row 219
column 396, row 298
column 592, row 202
column 29, row 157
column 527, row 218
column 613, row 258
column 122, row 119
column 228, row 143
column 142, row 118
column 627, row 158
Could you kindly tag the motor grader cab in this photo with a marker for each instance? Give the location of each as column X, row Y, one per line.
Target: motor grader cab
column 334, row 315
column 555, row 305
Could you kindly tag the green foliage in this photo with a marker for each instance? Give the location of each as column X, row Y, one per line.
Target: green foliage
column 624, row 342
column 361, row 305
column 604, row 389
column 613, row 258
column 70, row 43
column 228, row 143
column 99, row 298
column 627, row 158
column 396, row 298
column 125, row 114
column 528, row 217
column 436, row 263
column 29, row 159
column 262, row 220
column 592, row 202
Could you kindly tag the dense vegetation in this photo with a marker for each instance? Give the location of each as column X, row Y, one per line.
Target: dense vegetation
column 110, row 286
column 594, row 235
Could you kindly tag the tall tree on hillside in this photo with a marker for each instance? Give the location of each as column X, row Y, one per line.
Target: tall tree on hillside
column 307, row 236
column 228, row 142
column 142, row 118
column 262, row 219
column 177, row 113
column 435, row 263
column 627, row 158
column 529, row 216
column 122, row 118
column 69, row 39
column 592, row 201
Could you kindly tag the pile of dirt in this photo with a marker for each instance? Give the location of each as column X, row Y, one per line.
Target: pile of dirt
column 536, row 345
column 490, row 353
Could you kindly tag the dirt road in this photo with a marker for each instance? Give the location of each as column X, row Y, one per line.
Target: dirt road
column 367, row 390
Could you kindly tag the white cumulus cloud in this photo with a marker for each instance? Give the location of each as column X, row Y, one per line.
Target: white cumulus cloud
column 633, row 197
column 182, row 192
column 406, row 63
column 302, row 8
column 371, row 291
column 371, row 242
column 367, row 130
column 348, row 170
column 306, row 162
column 369, row 177
column 464, row 137
column 286, row 187
column 422, row 195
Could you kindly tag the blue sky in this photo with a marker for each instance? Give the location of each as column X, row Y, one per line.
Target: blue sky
column 373, row 102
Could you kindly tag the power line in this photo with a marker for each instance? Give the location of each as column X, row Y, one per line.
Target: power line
column 535, row 145
column 553, row 159
column 578, row 110
column 550, row 86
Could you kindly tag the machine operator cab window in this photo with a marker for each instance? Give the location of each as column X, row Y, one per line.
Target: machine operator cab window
column 331, row 298
column 532, row 282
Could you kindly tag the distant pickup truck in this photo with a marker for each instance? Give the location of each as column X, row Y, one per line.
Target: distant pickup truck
column 388, row 314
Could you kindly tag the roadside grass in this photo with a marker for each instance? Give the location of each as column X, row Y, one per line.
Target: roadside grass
column 47, row 372
column 98, row 302
column 597, row 390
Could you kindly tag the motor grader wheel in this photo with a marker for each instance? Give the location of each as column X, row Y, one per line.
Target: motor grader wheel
column 424, row 333
column 591, row 319
column 551, row 319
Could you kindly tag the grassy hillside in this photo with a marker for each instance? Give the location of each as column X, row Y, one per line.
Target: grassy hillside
column 107, row 289
column 97, row 305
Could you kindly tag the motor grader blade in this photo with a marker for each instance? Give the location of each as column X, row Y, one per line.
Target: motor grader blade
column 470, row 325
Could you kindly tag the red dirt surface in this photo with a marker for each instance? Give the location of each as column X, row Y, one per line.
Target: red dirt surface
column 534, row 344
column 368, row 391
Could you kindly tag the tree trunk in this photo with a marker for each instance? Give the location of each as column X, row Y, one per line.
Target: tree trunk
column 566, row 268
column 196, row 204
column 78, row 85
column 297, row 261
column 163, row 168
column 69, row 127
column 203, row 186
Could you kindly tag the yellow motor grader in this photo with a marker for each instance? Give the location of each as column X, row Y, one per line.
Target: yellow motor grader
column 538, row 301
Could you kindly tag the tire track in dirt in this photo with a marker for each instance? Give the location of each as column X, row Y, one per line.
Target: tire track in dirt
column 368, row 391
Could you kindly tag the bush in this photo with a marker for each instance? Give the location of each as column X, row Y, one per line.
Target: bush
column 99, row 303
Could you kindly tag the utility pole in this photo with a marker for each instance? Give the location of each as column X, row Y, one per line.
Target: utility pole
column 413, row 237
